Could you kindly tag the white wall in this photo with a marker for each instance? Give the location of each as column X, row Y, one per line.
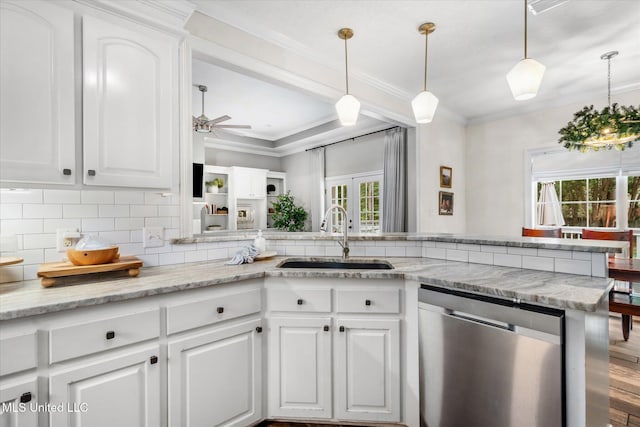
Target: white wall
column 495, row 163
column 364, row 154
column 441, row 143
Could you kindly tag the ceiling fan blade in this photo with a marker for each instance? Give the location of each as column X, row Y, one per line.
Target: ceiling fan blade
column 233, row 126
column 218, row 120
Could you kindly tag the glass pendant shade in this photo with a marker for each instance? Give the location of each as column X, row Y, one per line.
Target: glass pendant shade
column 424, row 106
column 348, row 108
column 525, row 78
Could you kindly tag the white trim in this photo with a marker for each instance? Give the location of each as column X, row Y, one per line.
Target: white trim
column 185, row 170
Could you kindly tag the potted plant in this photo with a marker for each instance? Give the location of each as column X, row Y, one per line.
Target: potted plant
column 215, row 185
column 286, row 215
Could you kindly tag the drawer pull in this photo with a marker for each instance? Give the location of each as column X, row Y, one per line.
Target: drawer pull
column 258, row 329
column 326, row 328
column 220, row 310
column 111, row 335
column 91, row 172
column 66, row 171
column 26, row 397
column 153, row 360
column 341, row 328
column 367, row 302
column 300, row 301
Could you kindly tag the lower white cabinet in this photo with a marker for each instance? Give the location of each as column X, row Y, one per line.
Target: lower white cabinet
column 367, row 369
column 215, row 377
column 300, row 367
column 118, row 390
column 18, row 399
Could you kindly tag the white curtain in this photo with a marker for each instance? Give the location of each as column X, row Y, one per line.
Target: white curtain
column 394, row 197
column 316, row 169
column 549, row 210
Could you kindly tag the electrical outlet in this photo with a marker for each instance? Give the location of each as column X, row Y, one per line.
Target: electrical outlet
column 152, row 237
column 66, row 238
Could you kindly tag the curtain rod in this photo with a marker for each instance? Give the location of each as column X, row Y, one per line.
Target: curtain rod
column 351, row 139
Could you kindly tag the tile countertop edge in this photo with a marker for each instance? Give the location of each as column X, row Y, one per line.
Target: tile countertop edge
column 598, row 246
column 565, row 291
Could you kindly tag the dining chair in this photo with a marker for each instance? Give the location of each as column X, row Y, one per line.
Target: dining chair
column 542, row 232
column 621, row 236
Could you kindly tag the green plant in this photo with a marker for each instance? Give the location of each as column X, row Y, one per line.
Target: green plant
column 219, row 182
column 209, row 183
column 287, row 216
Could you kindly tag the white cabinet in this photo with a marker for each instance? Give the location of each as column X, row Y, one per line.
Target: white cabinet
column 37, row 124
column 300, row 367
column 18, row 398
column 129, row 105
column 120, row 390
column 249, row 183
column 215, row 377
column 367, row 369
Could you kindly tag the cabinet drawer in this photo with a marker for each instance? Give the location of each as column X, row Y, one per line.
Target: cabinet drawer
column 17, row 353
column 299, row 300
column 205, row 312
column 90, row 337
column 368, row 301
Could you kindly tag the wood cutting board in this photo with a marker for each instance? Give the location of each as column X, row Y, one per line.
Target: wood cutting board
column 49, row 271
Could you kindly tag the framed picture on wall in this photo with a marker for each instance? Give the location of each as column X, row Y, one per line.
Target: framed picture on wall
column 445, row 203
column 446, row 175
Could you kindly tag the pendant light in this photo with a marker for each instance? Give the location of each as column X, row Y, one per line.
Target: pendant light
column 525, row 78
column 348, row 106
column 425, row 103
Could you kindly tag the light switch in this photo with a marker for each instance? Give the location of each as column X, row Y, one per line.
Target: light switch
column 152, row 237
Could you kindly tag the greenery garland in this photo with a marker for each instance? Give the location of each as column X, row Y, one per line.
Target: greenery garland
column 589, row 123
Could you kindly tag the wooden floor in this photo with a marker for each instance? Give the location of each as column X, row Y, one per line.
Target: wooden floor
column 624, row 379
column 624, row 375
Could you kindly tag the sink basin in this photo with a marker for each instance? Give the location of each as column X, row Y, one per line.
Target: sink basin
column 339, row 264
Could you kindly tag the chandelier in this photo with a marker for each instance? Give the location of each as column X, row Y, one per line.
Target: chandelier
column 614, row 127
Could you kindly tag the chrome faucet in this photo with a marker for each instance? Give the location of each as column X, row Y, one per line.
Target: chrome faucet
column 345, row 233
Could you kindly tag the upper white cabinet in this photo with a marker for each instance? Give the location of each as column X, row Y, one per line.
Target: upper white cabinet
column 129, row 103
column 249, row 183
column 37, row 139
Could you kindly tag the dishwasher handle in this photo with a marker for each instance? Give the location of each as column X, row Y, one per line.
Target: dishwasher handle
column 479, row 319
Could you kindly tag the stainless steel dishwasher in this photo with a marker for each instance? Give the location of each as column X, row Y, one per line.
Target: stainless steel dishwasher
column 489, row 362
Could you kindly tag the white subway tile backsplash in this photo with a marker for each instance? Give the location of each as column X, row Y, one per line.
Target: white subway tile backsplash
column 396, row 251
column 135, row 236
column 146, row 211
column 31, row 256
column 315, row 250
column 573, row 266
column 169, row 210
column 114, row 237
column 294, row 250
column 41, row 211
column 457, row 255
column 599, row 265
column 113, row 211
column 130, row 249
column 481, row 257
column 195, row 256
column 31, row 271
column 494, row 249
column 21, row 196
column 129, row 224
column 437, row 253
column 97, row 224
column 10, row 210
column 554, row 253
column 21, row 226
column 586, row 256
column 184, row 248
column 467, row 247
column 62, row 196
column 52, row 255
column 523, row 251
column 171, row 258
column 96, row 196
column 148, row 260
column 220, row 253
column 171, row 233
column 159, row 199
column 538, row 263
column 508, row 260
column 11, row 273
column 39, row 241
column 51, row 225
column 336, row 251
column 80, row 211
column 374, row 251
column 129, row 197
column 158, row 222
column 414, row 251
column 446, row 245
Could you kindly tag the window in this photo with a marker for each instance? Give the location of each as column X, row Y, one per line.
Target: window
column 633, row 196
column 361, row 196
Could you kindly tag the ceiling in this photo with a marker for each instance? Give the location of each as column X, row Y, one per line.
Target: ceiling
column 475, row 44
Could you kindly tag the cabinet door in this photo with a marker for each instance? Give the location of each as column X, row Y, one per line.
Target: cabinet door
column 250, row 183
column 18, row 403
column 130, row 99
column 215, row 377
column 300, row 367
column 37, row 135
column 367, row 369
column 122, row 390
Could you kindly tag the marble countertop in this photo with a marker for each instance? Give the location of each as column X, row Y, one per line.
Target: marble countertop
column 28, row 298
column 578, row 245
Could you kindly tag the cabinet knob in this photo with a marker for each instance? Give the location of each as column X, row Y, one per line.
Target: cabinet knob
column 367, row 302
column 153, row 360
column 300, row 301
column 25, row 397
column 220, row 310
column 326, row 328
column 91, row 172
column 66, row 171
column 258, row 329
column 111, row 335
column 341, row 328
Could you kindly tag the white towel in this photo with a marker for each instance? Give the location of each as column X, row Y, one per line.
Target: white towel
column 244, row 256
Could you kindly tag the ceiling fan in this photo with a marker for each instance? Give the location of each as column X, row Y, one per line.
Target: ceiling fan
column 202, row 123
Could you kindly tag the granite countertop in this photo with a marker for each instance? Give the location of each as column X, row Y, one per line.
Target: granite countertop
column 28, row 298
column 578, row 245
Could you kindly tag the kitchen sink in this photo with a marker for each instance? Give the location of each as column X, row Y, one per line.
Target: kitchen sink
column 337, row 263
